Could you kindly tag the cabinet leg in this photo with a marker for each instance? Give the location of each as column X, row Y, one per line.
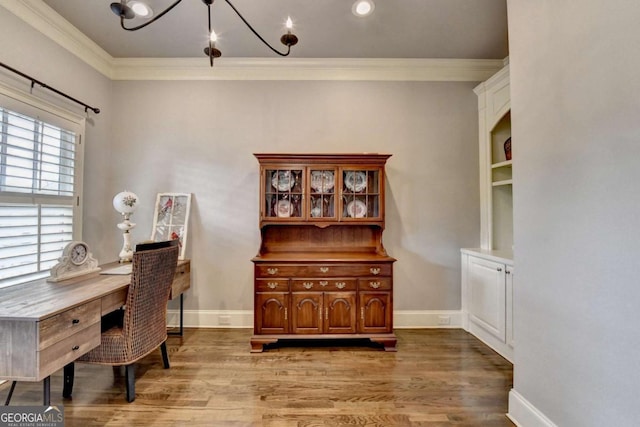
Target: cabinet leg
column 389, row 343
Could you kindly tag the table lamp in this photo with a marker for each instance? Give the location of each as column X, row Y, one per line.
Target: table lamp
column 126, row 203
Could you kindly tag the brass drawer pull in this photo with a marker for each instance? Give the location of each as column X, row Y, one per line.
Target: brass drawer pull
column 272, row 271
column 374, row 270
column 75, row 347
column 324, row 269
column 323, row 283
column 341, row 285
column 75, row 321
column 272, row 285
column 308, row 285
column 374, row 285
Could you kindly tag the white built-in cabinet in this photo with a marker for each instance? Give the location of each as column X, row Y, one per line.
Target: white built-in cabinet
column 487, row 272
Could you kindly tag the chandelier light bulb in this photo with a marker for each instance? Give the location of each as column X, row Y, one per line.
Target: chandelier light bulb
column 213, row 37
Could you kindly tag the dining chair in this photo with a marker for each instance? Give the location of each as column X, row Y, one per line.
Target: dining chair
column 144, row 323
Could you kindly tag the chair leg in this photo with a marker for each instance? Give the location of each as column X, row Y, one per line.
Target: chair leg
column 165, row 355
column 131, row 382
column 13, row 387
column 67, row 385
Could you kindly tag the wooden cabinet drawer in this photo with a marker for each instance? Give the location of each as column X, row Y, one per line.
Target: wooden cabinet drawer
column 181, row 280
column 57, row 355
column 323, row 285
column 58, row 327
column 374, row 284
column 272, row 285
column 323, row 270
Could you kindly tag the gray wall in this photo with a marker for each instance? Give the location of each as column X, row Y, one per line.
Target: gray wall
column 575, row 105
column 199, row 137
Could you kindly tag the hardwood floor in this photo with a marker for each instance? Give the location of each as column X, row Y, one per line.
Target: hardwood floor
column 438, row 377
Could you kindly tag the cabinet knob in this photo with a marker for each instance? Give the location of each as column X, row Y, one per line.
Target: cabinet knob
column 507, row 271
column 285, row 313
column 374, row 270
column 323, row 283
column 374, row 285
column 362, row 313
column 308, row 285
column 326, row 313
column 75, row 348
column 272, row 270
column 324, row 269
column 341, row 285
column 75, row 321
column 272, row 285
column 499, row 269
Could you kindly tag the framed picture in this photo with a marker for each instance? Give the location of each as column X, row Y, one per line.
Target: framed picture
column 171, row 218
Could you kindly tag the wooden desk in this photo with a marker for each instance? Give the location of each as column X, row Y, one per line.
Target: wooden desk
column 44, row 326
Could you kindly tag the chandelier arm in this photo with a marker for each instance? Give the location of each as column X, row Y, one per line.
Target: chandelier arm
column 256, row 33
column 155, row 18
column 210, row 42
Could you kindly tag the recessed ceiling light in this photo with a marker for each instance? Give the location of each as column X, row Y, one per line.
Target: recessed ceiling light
column 140, row 9
column 363, row 8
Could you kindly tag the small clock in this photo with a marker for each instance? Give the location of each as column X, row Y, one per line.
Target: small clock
column 76, row 260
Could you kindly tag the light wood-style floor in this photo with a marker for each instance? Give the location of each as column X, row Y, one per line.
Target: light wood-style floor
column 438, row 377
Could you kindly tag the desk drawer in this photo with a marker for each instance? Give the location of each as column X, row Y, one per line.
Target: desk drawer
column 323, row 270
column 58, row 327
column 57, row 355
column 181, row 280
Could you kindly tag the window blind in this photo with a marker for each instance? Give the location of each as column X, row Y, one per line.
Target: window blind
column 37, row 189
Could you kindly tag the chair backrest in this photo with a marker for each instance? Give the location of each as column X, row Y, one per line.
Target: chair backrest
column 145, row 317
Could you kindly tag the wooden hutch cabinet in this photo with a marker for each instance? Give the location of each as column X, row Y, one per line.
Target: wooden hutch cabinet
column 322, row 271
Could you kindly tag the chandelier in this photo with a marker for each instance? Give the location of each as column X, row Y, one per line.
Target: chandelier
column 130, row 9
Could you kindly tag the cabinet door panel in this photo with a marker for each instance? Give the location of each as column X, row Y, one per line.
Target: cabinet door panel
column 375, row 312
column 272, row 313
column 487, row 306
column 340, row 312
column 306, row 316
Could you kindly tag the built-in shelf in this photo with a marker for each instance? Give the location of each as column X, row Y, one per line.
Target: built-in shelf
column 504, row 182
column 504, row 164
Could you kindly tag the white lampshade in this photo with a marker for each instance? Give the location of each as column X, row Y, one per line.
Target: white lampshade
column 125, row 202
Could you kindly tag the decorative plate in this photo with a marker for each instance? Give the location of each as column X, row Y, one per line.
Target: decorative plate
column 322, row 181
column 357, row 209
column 355, row 181
column 283, row 181
column 284, row 209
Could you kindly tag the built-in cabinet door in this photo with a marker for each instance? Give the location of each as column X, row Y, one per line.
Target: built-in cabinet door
column 487, row 296
column 283, row 193
column 340, row 312
column 307, row 312
column 375, row 312
column 510, row 290
column 272, row 313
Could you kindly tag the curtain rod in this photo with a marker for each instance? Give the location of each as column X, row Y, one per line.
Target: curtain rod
column 33, row 81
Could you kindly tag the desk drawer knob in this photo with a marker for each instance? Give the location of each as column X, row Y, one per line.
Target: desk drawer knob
column 374, row 285
column 272, row 270
column 272, row 285
column 323, row 283
column 341, row 285
column 374, row 270
column 75, row 347
column 75, row 321
column 308, row 285
column 324, row 269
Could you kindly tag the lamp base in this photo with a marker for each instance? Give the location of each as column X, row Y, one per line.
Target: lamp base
column 126, row 254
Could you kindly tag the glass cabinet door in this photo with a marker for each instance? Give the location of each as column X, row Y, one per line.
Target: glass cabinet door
column 322, row 189
column 361, row 193
column 283, row 193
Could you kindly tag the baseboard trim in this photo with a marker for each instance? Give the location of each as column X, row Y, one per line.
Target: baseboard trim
column 523, row 414
column 403, row 319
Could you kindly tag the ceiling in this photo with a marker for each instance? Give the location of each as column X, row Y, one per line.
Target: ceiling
column 464, row 29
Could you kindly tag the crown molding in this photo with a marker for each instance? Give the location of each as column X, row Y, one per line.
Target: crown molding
column 46, row 20
column 372, row 69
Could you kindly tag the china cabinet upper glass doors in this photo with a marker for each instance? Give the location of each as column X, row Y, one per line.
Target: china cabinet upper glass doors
column 321, row 193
